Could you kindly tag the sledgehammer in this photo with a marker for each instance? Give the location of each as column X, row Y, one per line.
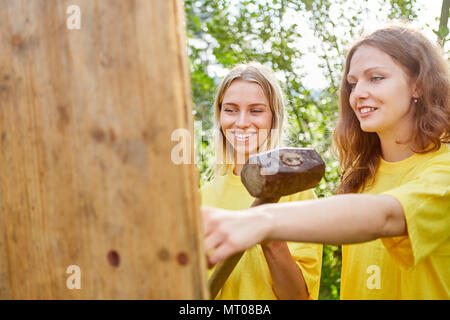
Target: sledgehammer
column 269, row 176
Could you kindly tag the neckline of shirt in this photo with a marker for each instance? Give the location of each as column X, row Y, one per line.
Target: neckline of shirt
column 233, row 179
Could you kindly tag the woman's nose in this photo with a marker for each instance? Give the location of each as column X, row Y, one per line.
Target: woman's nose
column 360, row 90
column 243, row 120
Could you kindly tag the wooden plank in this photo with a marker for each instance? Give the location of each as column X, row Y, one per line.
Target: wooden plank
column 86, row 117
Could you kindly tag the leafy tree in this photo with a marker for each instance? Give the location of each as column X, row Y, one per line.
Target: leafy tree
column 443, row 31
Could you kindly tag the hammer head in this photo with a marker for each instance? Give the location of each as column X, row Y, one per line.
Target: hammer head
column 281, row 172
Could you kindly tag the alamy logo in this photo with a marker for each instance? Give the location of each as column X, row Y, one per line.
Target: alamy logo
column 74, row 280
column 374, row 279
column 74, row 20
column 184, row 152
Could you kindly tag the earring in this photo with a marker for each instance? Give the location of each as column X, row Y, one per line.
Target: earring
column 415, row 100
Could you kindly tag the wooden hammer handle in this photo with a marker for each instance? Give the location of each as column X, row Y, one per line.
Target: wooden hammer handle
column 222, row 272
column 224, row 268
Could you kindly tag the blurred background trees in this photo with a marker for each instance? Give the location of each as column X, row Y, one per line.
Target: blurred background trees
column 304, row 42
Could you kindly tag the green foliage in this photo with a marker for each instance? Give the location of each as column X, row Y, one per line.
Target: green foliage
column 331, row 273
column 402, row 9
column 222, row 33
column 443, row 32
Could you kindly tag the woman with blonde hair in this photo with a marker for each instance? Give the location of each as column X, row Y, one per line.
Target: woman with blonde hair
column 249, row 114
column 392, row 210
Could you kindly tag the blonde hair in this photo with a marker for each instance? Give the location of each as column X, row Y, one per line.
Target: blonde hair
column 257, row 73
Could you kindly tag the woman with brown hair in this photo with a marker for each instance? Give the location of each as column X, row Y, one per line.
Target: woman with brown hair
column 392, row 210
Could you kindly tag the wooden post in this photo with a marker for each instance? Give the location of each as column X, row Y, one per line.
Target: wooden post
column 91, row 204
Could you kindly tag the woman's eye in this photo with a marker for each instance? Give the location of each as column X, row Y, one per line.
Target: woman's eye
column 352, row 85
column 376, row 78
column 228, row 110
column 256, row 111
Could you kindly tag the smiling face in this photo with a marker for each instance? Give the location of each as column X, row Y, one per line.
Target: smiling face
column 245, row 117
column 381, row 93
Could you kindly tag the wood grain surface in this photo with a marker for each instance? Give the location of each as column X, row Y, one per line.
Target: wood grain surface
column 86, row 117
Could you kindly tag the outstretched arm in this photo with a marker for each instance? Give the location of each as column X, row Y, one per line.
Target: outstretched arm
column 342, row 219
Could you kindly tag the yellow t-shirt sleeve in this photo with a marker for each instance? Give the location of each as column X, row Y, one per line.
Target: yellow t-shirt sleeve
column 308, row 256
column 426, row 205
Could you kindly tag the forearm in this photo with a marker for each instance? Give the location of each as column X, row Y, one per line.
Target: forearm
column 287, row 278
column 336, row 220
column 341, row 219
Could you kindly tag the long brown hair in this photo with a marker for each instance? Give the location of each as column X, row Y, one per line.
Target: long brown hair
column 359, row 152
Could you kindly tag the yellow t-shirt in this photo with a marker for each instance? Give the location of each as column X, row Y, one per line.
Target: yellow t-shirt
column 416, row 266
column 251, row 280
